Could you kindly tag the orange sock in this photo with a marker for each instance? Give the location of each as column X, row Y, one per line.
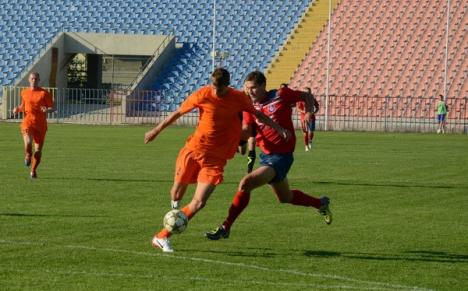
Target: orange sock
column 164, row 233
column 187, row 212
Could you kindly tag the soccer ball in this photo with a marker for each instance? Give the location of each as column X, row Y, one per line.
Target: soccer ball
column 175, row 221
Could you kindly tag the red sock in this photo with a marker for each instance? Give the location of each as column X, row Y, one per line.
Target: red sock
column 239, row 203
column 306, row 138
column 300, row 198
column 311, row 136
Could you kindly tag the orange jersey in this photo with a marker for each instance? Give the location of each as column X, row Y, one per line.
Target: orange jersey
column 31, row 102
column 219, row 126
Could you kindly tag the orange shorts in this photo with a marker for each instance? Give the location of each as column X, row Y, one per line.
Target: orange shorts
column 193, row 167
column 37, row 135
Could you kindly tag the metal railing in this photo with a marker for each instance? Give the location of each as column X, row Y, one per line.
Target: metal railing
column 353, row 113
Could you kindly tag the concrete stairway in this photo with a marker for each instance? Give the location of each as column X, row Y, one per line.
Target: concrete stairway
column 298, row 43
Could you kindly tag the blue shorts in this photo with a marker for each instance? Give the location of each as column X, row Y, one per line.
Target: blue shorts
column 281, row 163
column 441, row 117
column 312, row 125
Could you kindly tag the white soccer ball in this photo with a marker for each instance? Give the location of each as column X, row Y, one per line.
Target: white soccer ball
column 175, row 221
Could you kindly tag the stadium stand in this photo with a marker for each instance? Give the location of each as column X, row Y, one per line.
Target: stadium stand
column 250, row 34
column 390, row 48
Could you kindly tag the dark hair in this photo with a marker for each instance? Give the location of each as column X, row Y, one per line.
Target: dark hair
column 256, row 76
column 284, row 85
column 307, row 89
column 221, row 77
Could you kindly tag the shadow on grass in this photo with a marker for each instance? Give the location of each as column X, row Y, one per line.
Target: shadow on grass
column 47, row 215
column 425, row 256
column 350, row 183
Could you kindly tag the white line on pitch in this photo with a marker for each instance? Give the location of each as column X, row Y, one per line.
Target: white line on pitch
column 241, row 265
column 197, row 278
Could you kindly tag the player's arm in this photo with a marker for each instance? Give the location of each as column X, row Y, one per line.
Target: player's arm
column 309, row 104
column 153, row 133
column 18, row 109
column 286, row 134
column 316, row 105
column 46, row 109
column 48, row 104
column 246, row 133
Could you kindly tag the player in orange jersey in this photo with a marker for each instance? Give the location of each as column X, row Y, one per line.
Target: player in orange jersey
column 36, row 102
column 214, row 141
column 307, row 124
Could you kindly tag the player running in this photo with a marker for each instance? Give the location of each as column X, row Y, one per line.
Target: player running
column 214, row 141
column 36, row 102
column 307, row 125
column 277, row 153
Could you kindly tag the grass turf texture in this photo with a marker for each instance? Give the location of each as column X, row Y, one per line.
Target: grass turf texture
column 399, row 204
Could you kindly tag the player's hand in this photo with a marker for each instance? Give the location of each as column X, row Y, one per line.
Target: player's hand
column 150, row 135
column 15, row 110
column 308, row 116
column 44, row 109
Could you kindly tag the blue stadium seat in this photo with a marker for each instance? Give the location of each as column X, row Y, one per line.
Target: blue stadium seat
column 190, row 21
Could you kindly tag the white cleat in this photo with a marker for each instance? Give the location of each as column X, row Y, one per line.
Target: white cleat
column 306, row 148
column 163, row 243
column 175, row 204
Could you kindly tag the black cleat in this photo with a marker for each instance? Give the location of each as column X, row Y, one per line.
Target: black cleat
column 217, row 233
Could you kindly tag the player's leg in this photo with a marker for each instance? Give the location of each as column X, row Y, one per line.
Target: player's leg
column 186, row 172
column 201, row 196
column 177, row 193
column 257, row 178
column 311, row 131
column 305, row 134
column 297, row 197
column 27, row 141
column 439, row 125
column 38, row 138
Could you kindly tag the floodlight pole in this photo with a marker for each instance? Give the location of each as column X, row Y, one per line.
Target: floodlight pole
column 328, row 66
column 213, row 54
column 446, row 49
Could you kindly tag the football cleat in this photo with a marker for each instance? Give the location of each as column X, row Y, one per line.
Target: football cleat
column 163, row 243
column 175, row 204
column 33, row 175
column 325, row 209
column 217, row 233
column 27, row 162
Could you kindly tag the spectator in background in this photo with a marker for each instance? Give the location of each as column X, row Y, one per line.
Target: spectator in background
column 442, row 110
column 36, row 102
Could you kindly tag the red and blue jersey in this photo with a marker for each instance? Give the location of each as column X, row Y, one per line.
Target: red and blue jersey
column 278, row 106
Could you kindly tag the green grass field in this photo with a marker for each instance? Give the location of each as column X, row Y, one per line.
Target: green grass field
column 399, row 201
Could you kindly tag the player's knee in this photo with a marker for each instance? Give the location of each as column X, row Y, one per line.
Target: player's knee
column 245, row 184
